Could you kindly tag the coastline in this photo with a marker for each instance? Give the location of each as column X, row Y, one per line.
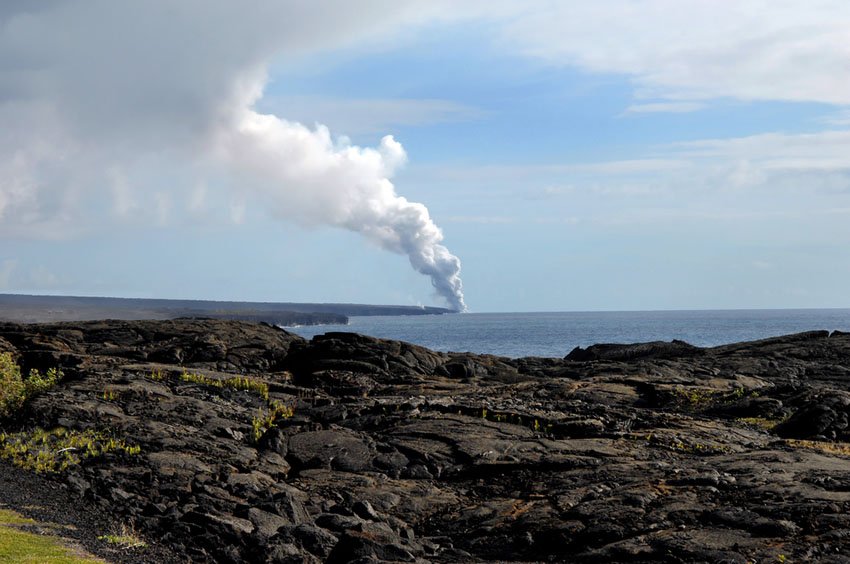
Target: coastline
column 19, row 308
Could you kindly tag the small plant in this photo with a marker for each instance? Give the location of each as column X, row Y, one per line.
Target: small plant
column 37, row 383
column 109, row 395
column 125, row 537
column 157, row 375
column 266, row 418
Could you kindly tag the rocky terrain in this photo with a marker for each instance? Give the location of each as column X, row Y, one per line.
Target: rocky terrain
column 239, row 442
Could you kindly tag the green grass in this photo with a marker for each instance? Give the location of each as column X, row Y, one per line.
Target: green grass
column 22, row 547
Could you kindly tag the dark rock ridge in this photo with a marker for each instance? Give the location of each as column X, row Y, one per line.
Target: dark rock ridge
column 657, row 452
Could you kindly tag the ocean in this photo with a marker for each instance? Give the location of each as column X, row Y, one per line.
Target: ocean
column 556, row 334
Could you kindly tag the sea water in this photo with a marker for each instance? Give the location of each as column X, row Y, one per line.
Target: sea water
column 556, row 334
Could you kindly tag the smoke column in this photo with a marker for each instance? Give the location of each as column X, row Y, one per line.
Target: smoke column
column 307, row 177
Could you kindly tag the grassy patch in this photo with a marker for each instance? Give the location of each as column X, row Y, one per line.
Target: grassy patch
column 28, row 548
column 55, row 450
column 11, row 518
column 236, row 383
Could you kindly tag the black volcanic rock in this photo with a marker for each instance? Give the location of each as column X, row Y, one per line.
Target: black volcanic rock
column 655, row 452
column 655, row 350
column 229, row 345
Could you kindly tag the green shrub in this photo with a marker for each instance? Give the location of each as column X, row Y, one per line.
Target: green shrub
column 12, row 388
column 36, row 383
column 15, row 391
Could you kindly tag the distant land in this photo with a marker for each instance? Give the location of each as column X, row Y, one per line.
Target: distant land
column 39, row 309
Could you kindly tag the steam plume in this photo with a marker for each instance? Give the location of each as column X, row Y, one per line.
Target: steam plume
column 84, row 88
column 307, row 177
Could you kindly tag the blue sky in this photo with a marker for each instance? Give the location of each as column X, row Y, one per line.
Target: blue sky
column 631, row 155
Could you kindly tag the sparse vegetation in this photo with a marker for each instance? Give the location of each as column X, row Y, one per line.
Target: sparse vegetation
column 695, row 397
column 236, row 383
column 676, row 444
column 699, row 398
column 56, row 450
column 822, row 446
column 760, row 422
column 124, row 537
column 15, row 390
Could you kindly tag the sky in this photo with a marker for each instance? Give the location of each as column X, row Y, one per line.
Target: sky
column 499, row 155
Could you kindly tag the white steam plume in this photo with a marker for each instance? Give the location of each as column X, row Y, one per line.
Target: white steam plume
column 110, row 101
column 307, row 177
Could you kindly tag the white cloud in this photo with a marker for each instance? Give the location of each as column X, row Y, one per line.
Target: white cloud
column 688, row 50
column 823, row 151
column 84, row 91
